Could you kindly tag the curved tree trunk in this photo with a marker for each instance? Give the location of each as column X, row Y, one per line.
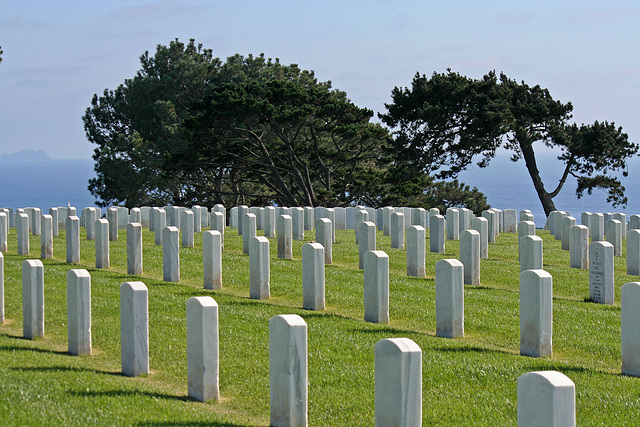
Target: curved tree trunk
column 530, row 160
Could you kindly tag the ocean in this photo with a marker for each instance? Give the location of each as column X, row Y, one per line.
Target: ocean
column 507, row 185
column 46, row 183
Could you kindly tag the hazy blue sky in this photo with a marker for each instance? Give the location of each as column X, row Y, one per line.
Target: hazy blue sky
column 57, row 54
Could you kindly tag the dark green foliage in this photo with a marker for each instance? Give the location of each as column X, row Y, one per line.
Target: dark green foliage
column 445, row 122
column 407, row 186
column 192, row 129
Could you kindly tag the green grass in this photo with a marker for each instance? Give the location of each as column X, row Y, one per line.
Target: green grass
column 469, row 381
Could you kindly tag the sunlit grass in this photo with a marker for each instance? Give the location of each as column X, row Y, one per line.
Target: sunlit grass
column 465, row 381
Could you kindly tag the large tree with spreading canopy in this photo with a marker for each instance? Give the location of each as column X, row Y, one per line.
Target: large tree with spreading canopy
column 190, row 128
column 446, row 121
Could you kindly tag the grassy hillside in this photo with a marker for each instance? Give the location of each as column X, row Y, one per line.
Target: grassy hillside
column 469, row 381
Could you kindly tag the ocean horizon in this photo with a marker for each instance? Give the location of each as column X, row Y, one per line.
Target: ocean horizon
column 507, row 185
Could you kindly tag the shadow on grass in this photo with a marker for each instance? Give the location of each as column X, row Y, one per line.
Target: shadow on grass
column 32, row 349
column 471, row 349
column 63, row 369
column 215, row 424
column 385, row 331
column 127, row 393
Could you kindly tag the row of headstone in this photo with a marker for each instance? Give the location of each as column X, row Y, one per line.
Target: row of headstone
column 398, row 361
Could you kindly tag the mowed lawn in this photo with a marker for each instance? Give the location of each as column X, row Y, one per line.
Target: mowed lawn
column 466, row 381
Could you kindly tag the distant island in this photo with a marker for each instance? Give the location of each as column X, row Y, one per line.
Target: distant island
column 26, row 155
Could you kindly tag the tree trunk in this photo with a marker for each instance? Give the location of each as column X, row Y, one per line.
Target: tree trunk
column 532, row 167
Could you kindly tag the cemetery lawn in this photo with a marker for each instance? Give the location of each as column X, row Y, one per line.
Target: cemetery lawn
column 467, row 381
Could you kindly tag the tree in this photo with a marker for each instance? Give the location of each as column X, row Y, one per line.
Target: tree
column 1, row 52
column 305, row 143
column 445, row 122
column 137, row 126
column 189, row 129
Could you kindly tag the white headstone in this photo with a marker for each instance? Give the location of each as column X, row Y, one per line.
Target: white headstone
column 123, row 217
column 526, row 216
column 79, row 311
column 340, row 219
column 170, row 254
column 134, row 328
column 530, row 248
column 297, row 223
column 233, row 217
column 269, row 221
column 585, row 219
column 248, row 231
column 259, row 270
column 397, row 230
column 4, row 231
column 285, row 238
column 386, row 220
column 633, row 252
column 187, row 228
column 309, row 218
column 510, row 220
column 436, row 234
column 90, row 223
column 546, row 398
column 22, row 229
column 288, row 371
column 134, row 248
column 623, row 221
column 220, row 208
column 313, row 276
column 1, row 288
column 614, row 235
column 601, row 272
column 367, row 240
column 432, row 212
column 212, row 259
column 242, row 210
column 453, row 224
column 36, row 221
column 217, row 224
column 203, row 349
column 566, row 223
column 112, row 218
column 359, row 216
column 331, row 214
column 102, row 228
column 449, row 298
column 73, row 239
column 376, row 287
column 579, row 247
column 161, row 223
column 536, row 313
column 470, row 256
column 398, row 382
column 32, row 299
column 492, row 226
column 419, row 217
column 597, row 227
column 135, row 215
column 46, row 236
column 630, row 328
column 481, row 225
column 324, row 237
column 416, row 248
column 145, row 216
column 54, row 218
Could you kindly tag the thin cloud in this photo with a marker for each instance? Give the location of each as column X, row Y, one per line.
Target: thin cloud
column 482, row 64
column 160, row 9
